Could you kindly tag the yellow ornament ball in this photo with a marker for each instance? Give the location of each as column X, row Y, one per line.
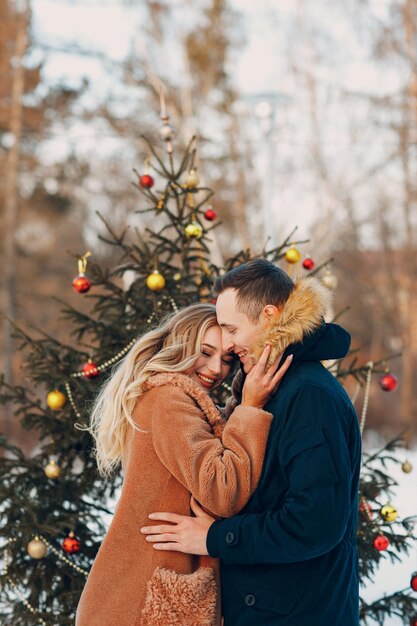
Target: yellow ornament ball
column 192, row 179
column 56, row 400
column 407, row 467
column 292, row 255
column 36, row 548
column 52, row 470
column 193, row 230
column 155, row 281
column 389, row 513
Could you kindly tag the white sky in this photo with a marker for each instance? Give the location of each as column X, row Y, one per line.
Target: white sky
column 109, row 28
column 277, row 34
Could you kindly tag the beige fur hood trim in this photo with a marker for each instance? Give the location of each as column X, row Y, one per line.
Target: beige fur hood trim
column 192, row 389
column 302, row 314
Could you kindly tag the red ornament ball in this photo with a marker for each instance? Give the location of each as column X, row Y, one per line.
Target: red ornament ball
column 81, row 283
column 308, row 263
column 413, row 621
column 146, row 181
column 388, row 382
column 90, row 370
column 210, row 215
column 381, row 542
column 71, row 545
column 413, row 582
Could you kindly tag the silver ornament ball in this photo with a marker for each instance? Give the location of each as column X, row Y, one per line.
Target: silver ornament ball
column 167, row 132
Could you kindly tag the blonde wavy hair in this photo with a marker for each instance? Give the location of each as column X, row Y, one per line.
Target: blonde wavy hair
column 172, row 347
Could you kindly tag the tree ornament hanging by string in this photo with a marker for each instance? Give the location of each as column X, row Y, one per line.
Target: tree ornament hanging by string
column 193, row 230
column 292, row 255
column 167, row 132
column 210, row 214
column 90, row 369
column 71, row 545
column 155, row 281
column 381, row 542
column 36, row 548
column 329, row 280
column 52, row 470
column 389, row 513
column 388, row 382
column 146, row 181
column 407, row 467
column 56, row 400
column 308, row 263
column 192, row 180
column 81, row 283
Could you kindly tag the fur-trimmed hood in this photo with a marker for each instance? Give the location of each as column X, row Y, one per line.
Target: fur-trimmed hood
column 301, row 331
column 302, row 313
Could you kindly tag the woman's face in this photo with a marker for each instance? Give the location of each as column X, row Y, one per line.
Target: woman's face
column 214, row 364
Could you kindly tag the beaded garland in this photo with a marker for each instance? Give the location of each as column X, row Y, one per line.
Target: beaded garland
column 6, row 556
column 119, row 355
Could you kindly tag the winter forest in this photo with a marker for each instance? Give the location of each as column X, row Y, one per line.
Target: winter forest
column 301, row 121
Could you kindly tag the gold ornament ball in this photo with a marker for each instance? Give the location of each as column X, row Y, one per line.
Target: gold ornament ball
column 192, row 179
column 36, row 548
column 389, row 513
column 155, row 281
column 52, row 470
column 407, row 467
column 193, row 230
column 177, row 277
column 292, row 255
column 330, row 281
column 56, row 400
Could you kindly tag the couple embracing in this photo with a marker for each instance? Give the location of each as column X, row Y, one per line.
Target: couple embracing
column 246, row 515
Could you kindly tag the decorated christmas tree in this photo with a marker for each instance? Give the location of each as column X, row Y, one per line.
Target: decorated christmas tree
column 54, row 504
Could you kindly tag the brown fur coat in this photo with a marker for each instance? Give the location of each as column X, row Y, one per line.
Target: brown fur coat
column 186, row 448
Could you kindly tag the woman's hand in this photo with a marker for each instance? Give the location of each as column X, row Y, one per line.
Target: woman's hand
column 262, row 381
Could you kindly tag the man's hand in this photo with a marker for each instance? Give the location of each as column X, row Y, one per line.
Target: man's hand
column 183, row 534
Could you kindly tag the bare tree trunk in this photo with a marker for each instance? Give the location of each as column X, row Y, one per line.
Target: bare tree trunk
column 10, row 187
column 240, row 208
column 408, row 263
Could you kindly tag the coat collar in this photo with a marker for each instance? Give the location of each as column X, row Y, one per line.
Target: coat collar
column 302, row 313
column 192, row 389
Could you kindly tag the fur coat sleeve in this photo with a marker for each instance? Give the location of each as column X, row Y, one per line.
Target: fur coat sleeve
column 219, row 465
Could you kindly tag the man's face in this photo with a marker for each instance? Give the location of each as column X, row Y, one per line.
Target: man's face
column 239, row 333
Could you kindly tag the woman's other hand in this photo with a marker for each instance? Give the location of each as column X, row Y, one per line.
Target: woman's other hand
column 263, row 380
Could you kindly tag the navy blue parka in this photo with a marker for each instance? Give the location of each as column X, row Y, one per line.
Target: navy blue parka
column 290, row 557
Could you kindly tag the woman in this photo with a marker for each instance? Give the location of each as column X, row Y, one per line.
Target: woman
column 155, row 416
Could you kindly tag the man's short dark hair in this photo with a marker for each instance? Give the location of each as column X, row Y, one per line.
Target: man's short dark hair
column 258, row 283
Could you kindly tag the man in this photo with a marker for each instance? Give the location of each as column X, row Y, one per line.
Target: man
column 290, row 557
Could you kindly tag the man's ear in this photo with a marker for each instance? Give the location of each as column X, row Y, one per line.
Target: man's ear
column 270, row 314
